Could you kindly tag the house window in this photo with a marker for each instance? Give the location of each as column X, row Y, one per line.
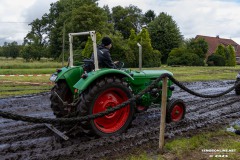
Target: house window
column 238, row 60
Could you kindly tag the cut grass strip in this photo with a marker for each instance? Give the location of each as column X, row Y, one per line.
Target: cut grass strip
column 27, row 71
column 194, row 146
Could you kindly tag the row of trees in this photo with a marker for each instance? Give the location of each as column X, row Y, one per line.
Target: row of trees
column 120, row 23
column 161, row 39
column 10, row 50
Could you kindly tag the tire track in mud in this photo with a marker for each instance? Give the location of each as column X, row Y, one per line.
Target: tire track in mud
column 21, row 140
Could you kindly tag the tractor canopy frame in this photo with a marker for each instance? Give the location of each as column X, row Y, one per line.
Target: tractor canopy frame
column 93, row 37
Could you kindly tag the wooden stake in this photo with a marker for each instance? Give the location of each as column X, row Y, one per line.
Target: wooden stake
column 163, row 114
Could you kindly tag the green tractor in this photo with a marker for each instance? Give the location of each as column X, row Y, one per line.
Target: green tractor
column 88, row 90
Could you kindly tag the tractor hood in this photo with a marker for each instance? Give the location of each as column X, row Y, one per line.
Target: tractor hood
column 149, row 73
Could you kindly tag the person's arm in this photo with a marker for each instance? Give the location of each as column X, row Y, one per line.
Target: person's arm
column 108, row 60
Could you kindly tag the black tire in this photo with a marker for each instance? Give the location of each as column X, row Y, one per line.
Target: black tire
column 176, row 110
column 62, row 89
column 237, row 89
column 101, row 95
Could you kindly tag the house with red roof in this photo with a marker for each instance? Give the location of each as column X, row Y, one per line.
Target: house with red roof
column 214, row 42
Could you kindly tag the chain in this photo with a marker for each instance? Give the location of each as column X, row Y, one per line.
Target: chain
column 111, row 110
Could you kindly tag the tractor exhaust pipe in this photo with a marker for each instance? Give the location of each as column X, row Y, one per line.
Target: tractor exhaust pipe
column 140, row 56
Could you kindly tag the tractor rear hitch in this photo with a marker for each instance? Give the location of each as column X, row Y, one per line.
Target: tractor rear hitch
column 73, row 104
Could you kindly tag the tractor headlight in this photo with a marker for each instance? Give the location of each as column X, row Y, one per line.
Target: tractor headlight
column 53, row 77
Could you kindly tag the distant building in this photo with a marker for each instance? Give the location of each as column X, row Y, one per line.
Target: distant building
column 214, row 42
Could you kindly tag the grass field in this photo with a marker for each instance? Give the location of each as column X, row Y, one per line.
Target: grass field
column 11, row 86
column 19, row 63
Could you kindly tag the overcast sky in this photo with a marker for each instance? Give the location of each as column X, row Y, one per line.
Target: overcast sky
column 194, row 17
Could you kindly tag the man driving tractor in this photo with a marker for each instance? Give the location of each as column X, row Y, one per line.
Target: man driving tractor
column 104, row 57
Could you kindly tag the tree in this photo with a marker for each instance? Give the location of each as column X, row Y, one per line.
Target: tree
column 120, row 50
column 165, row 35
column 198, row 46
column 184, row 56
column 221, row 51
column 1, row 52
column 31, row 52
column 230, row 56
column 151, row 57
column 132, row 43
column 108, row 12
column 11, row 50
column 148, row 17
column 216, row 60
column 88, row 49
column 14, row 49
column 227, row 53
column 5, row 50
column 68, row 16
column 127, row 18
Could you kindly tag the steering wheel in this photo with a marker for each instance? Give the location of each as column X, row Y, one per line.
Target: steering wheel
column 119, row 65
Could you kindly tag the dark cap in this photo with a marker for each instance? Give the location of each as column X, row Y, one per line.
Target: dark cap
column 106, row 41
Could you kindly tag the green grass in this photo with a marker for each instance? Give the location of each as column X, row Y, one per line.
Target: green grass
column 192, row 148
column 186, row 147
column 12, row 90
column 203, row 73
column 21, row 64
column 11, row 86
column 27, row 71
column 42, row 79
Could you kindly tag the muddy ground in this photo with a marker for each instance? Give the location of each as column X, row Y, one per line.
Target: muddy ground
column 21, row 140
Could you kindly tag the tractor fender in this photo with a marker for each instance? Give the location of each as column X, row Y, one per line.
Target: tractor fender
column 71, row 75
column 83, row 83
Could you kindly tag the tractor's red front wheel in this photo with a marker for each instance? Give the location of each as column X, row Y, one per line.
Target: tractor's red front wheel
column 105, row 94
column 175, row 110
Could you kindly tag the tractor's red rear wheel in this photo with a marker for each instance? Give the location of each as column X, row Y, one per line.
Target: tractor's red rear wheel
column 114, row 121
column 106, row 93
column 175, row 110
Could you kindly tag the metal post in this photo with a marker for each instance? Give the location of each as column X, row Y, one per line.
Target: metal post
column 163, row 114
column 140, row 56
column 63, row 45
column 71, row 49
column 93, row 36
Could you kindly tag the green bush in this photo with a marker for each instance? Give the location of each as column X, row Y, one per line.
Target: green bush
column 183, row 56
column 216, row 60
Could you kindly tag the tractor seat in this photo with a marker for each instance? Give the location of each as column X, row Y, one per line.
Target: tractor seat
column 88, row 65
